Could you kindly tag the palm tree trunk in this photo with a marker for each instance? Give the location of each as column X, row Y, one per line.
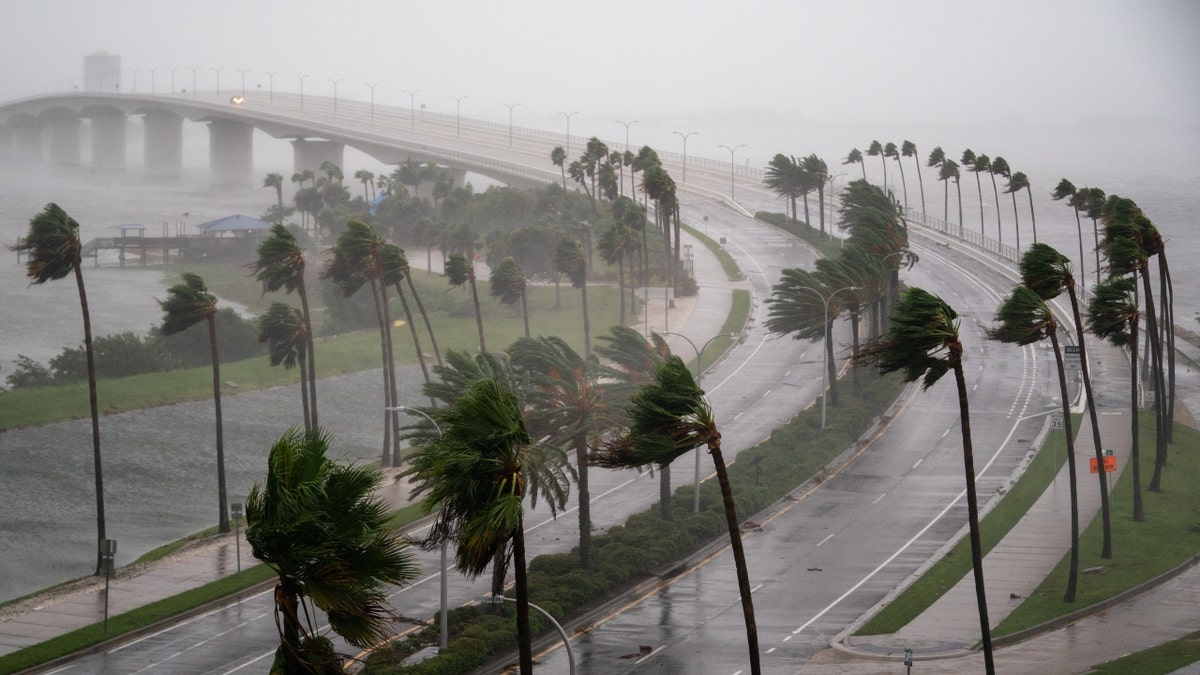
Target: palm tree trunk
column 807, row 218
column 972, row 508
column 1139, row 514
column 1085, row 370
column 1154, row 339
column 587, row 330
column 999, row 224
column 1032, row 215
column 664, row 492
column 585, row 502
column 478, row 313
column 958, row 191
column 94, row 406
column 855, row 318
column 1167, row 303
column 391, row 368
column 921, row 181
column 1079, row 233
column 304, row 391
column 903, row 183
column 524, row 638
column 1017, row 225
column 1073, row 573
column 739, row 555
column 412, row 327
column 525, row 311
column 385, row 457
column 311, row 355
column 831, row 366
column 424, row 316
column 287, row 603
column 621, row 287
column 979, row 189
column 821, row 204
column 222, row 495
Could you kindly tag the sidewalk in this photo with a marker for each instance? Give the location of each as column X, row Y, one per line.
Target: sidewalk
column 54, row 613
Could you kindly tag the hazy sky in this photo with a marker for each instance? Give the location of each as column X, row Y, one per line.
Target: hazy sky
column 726, row 69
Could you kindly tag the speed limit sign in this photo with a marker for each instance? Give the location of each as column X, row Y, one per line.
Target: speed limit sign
column 1056, row 422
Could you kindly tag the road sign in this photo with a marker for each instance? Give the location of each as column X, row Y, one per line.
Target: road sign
column 1071, row 357
column 1110, row 464
column 1056, row 422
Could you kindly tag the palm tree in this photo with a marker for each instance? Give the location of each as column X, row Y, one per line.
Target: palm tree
column 282, row 328
column 1025, row 318
column 459, row 271
column 970, row 160
column 798, row 306
column 629, row 361
column 558, row 157
column 275, row 180
column 818, row 172
column 854, row 156
column 947, row 171
column 188, row 304
column 475, row 477
column 922, row 342
column 876, row 150
column 668, row 418
column 395, row 270
column 357, row 262
column 909, row 149
column 782, row 177
column 570, row 259
column 1000, row 168
column 568, row 406
column 508, row 284
column 367, row 179
column 1113, row 315
column 320, row 526
column 53, row 251
column 1091, row 201
column 890, row 150
column 1019, row 181
column 1048, row 273
column 281, row 264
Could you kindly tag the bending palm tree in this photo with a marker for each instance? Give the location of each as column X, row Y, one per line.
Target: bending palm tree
column 281, row 264
column 329, row 539
column 1024, row 319
column 275, row 180
column 669, row 418
column 923, row 343
column 460, row 271
column 1000, row 168
column 508, row 283
column 395, row 264
column 475, row 478
column 855, row 157
column 570, row 259
column 1019, row 181
column 1048, row 273
column 876, row 150
column 909, row 149
column 188, row 304
column 53, row 249
column 1113, row 315
column 890, row 150
column 818, row 172
column 282, row 328
column 977, row 164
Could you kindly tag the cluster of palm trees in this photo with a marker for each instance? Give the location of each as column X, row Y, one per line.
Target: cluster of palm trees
column 793, row 179
column 862, row 279
column 949, row 170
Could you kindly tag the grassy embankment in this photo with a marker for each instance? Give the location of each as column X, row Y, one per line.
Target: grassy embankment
column 1141, row 551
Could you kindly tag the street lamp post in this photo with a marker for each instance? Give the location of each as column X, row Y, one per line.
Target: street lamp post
column 173, row 69
column 243, row 71
column 444, row 628
column 235, row 509
column 457, row 115
column 825, row 347
column 699, row 357
column 684, row 137
column 732, row 166
column 152, row 78
column 195, row 69
column 335, row 84
column 568, row 116
column 510, row 107
column 301, row 78
column 108, row 554
column 372, row 88
column 627, row 125
column 412, row 107
column 497, row 599
column 271, row 83
column 133, row 87
column 218, row 72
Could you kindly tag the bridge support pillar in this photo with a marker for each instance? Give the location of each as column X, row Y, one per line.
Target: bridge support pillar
column 64, row 141
column 108, row 142
column 308, row 154
column 459, row 176
column 26, row 143
column 230, row 153
column 164, row 145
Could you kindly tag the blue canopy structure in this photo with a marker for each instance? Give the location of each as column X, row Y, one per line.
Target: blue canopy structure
column 236, row 224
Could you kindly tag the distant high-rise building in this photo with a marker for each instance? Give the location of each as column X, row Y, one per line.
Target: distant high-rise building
column 102, row 72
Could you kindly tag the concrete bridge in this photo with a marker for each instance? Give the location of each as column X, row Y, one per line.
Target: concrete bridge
column 95, row 129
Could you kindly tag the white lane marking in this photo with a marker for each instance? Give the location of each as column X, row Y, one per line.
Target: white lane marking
column 918, row 463
column 830, row 536
column 877, row 499
column 656, row 650
column 251, row 662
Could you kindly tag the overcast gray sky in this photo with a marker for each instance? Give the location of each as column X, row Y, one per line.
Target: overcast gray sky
column 822, row 75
